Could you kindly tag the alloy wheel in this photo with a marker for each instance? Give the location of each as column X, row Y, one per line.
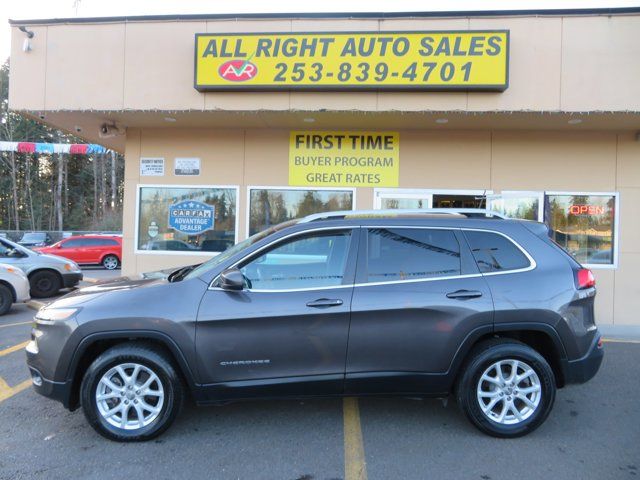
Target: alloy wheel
column 129, row 396
column 509, row 392
column 110, row 263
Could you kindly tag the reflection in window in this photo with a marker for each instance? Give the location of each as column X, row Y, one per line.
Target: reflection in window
column 524, row 207
column 495, row 253
column 311, row 261
column 272, row 206
column 411, row 254
column 393, row 203
column 158, row 230
column 583, row 225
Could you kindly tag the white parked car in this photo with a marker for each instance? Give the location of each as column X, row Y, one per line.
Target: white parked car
column 14, row 287
column 47, row 273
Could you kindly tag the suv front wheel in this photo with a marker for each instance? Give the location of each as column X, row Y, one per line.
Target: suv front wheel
column 506, row 389
column 131, row 392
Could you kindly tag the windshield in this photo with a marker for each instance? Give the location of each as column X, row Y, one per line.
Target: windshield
column 229, row 252
column 33, row 237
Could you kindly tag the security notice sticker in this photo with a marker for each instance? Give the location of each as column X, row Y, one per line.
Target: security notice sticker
column 427, row 60
column 344, row 159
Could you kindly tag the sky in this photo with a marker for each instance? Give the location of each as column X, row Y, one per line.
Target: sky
column 30, row 9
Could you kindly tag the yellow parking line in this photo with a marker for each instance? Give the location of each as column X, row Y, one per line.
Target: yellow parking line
column 7, row 392
column 14, row 324
column 15, row 348
column 615, row 340
column 355, row 467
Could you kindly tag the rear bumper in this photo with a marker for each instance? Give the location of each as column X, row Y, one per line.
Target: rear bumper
column 71, row 279
column 584, row 369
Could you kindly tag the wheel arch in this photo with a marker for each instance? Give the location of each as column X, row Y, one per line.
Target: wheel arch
column 43, row 269
column 542, row 337
column 106, row 254
column 95, row 344
column 11, row 289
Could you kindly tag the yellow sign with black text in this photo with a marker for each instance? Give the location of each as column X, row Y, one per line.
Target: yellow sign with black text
column 428, row 60
column 344, row 159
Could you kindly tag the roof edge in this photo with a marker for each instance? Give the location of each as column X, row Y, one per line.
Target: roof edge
column 321, row 15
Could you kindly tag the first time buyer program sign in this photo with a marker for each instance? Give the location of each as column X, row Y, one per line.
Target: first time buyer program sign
column 344, row 159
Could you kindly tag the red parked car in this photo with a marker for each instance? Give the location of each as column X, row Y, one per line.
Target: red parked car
column 105, row 250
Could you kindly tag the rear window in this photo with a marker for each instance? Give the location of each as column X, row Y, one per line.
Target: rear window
column 495, row 253
column 411, row 254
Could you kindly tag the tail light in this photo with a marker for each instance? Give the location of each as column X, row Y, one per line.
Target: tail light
column 585, row 279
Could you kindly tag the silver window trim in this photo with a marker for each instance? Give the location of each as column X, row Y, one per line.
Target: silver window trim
column 532, row 262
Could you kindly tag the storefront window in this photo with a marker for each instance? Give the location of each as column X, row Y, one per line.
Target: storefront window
column 186, row 219
column 524, row 205
column 270, row 206
column 584, row 225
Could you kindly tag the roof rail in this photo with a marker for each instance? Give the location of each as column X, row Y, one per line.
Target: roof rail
column 464, row 212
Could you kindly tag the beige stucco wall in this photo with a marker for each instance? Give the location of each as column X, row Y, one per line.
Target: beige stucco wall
column 492, row 160
column 572, row 64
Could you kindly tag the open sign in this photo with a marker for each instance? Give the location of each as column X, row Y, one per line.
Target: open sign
column 586, row 210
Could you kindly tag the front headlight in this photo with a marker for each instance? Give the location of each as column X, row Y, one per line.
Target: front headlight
column 50, row 315
column 71, row 267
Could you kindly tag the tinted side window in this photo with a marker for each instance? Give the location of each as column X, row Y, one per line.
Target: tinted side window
column 309, row 261
column 411, row 254
column 74, row 243
column 100, row 242
column 495, row 253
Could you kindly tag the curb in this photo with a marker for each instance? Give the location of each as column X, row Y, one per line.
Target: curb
column 90, row 280
column 35, row 304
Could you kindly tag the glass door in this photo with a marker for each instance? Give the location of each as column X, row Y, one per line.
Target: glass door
column 523, row 205
column 391, row 200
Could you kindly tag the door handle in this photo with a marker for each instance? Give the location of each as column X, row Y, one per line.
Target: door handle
column 325, row 303
column 464, row 294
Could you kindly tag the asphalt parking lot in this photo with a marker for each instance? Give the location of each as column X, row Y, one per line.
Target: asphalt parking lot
column 592, row 433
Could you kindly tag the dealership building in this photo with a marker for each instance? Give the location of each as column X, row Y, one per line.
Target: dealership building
column 231, row 123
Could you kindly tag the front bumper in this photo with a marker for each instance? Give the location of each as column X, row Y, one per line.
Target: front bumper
column 584, row 369
column 22, row 290
column 71, row 279
column 60, row 391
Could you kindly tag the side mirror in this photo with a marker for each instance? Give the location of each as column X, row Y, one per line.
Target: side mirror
column 232, row 279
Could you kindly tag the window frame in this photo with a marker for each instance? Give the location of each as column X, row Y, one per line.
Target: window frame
column 616, row 224
column 275, row 187
column 350, row 267
column 199, row 253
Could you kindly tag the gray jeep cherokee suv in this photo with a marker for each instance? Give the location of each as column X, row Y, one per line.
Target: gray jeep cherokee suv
column 486, row 309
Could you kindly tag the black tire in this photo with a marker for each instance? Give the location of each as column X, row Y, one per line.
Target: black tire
column 6, row 299
column 149, row 357
column 484, row 356
column 44, row 283
column 109, row 264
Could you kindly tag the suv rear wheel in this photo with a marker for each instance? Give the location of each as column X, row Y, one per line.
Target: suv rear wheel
column 131, row 392
column 506, row 389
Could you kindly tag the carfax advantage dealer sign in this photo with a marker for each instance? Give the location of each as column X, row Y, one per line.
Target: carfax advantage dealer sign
column 438, row 60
